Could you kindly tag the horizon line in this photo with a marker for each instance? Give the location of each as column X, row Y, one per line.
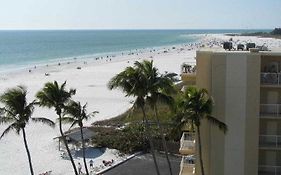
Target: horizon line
column 73, row 29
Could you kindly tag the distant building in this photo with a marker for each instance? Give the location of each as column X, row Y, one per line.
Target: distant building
column 246, row 88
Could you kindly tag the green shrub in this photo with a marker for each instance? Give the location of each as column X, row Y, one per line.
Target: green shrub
column 276, row 31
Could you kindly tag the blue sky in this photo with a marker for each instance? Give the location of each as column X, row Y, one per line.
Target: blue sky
column 140, row 14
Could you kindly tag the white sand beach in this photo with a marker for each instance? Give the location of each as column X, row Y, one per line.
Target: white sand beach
column 91, row 84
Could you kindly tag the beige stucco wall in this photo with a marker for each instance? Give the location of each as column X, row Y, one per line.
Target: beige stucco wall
column 252, row 114
column 203, row 80
column 233, row 81
column 235, row 106
column 218, row 91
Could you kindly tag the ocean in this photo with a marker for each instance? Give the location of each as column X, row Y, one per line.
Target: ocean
column 19, row 49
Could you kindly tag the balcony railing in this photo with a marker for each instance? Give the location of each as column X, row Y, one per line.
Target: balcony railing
column 270, row 110
column 269, row 170
column 187, row 143
column 187, row 165
column 270, row 78
column 188, row 140
column 188, row 68
column 270, row 141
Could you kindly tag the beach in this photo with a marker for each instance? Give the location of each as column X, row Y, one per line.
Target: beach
column 90, row 78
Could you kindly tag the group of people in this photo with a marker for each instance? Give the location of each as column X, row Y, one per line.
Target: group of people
column 107, row 163
column 91, row 162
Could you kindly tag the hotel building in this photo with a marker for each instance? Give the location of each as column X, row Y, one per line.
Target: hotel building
column 246, row 88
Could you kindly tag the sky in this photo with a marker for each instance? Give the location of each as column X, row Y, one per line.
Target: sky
column 140, row 14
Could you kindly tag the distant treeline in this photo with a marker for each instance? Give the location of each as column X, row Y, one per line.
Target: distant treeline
column 276, row 33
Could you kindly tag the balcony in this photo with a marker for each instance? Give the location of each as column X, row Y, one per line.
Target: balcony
column 187, row 165
column 270, row 142
column 188, row 78
column 270, row 111
column 188, row 73
column 269, row 170
column 187, row 143
column 270, row 79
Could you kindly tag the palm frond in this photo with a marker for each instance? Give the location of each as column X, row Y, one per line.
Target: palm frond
column 14, row 99
column 8, row 113
column 6, row 120
column 93, row 113
column 222, row 126
column 54, row 95
column 43, row 121
column 171, row 76
column 195, row 105
column 8, row 129
column 73, row 124
column 68, row 120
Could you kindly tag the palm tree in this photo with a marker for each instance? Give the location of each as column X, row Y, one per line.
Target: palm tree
column 133, row 82
column 160, row 87
column 55, row 95
column 75, row 114
column 195, row 105
column 17, row 113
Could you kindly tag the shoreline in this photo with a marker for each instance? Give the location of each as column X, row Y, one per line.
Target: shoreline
column 90, row 57
column 91, row 84
column 93, row 58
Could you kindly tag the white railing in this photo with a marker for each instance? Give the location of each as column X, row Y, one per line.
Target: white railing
column 270, row 110
column 187, row 140
column 270, row 141
column 270, row 78
column 188, row 161
column 187, row 165
column 269, row 170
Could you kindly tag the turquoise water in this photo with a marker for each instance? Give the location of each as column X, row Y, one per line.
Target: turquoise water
column 21, row 48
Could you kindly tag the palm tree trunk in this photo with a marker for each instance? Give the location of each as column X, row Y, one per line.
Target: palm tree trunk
column 66, row 146
column 163, row 140
column 27, row 151
column 200, row 150
column 150, row 140
column 83, row 150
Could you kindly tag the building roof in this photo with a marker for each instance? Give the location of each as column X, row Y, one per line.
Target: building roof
column 218, row 50
column 74, row 135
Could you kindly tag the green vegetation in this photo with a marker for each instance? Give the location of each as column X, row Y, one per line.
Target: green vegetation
column 128, row 140
column 193, row 106
column 17, row 112
column 75, row 114
column 55, row 95
column 134, row 81
column 134, row 115
column 276, row 33
column 159, row 113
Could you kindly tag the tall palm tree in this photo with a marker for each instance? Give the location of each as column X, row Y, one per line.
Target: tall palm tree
column 75, row 114
column 17, row 113
column 160, row 88
column 195, row 105
column 134, row 83
column 55, row 95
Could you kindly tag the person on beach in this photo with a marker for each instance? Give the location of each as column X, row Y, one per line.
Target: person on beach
column 79, row 168
column 91, row 164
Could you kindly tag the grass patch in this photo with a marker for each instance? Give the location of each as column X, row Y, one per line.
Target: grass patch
column 134, row 115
